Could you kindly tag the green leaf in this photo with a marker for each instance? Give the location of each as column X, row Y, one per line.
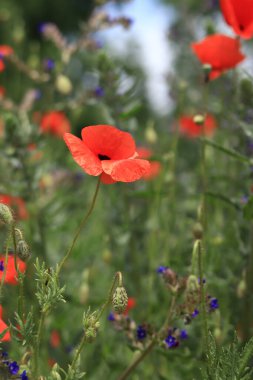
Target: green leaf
column 229, row 152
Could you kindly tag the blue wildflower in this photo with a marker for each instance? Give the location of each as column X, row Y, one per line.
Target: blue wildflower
column 13, row 368
column 183, row 334
column 111, row 317
column 171, row 341
column 99, row 91
column 1, row 266
column 213, row 304
column 195, row 313
column 49, row 64
column 141, row 333
column 161, row 269
column 24, row 376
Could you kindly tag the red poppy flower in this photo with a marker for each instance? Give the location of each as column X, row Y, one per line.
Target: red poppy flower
column 191, row 129
column 130, row 305
column 220, row 52
column 5, row 50
column 55, row 339
column 55, row 122
column 155, row 166
column 239, row 15
column 106, row 150
column 3, row 326
column 11, row 273
column 17, row 203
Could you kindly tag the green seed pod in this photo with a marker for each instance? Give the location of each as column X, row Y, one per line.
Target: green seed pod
column 6, row 215
column 199, row 119
column 119, row 300
column 23, row 250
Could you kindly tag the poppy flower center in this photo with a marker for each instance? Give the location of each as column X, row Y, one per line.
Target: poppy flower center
column 103, row 157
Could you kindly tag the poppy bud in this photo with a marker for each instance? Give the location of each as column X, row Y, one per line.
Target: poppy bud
column 199, row 119
column 119, row 300
column 23, row 250
column 241, row 288
column 107, row 256
column 192, row 284
column 197, row 231
column 84, row 293
column 63, row 84
column 5, row 214
column 150, row 134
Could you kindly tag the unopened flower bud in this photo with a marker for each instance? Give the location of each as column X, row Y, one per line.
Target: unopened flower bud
column 199, row 119
column 192, row 283
column 84, row 293
column 55, row 372
column 5, row 214
column 63, row 84
column 241, row 288
column 207, row 68
column 150, row 134
column 197, row 231
column 119, row 300
column 23, row 250
column 90, row 334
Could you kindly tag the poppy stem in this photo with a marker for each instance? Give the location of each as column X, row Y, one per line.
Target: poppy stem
column 117, row 279
column 82, row 224
column 5, row 263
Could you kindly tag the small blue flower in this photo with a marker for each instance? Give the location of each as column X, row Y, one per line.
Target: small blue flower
column 1, row 266
column 13, row 368
column 111, row 317
column 24, row 376
column 183, row 334
column 49, row 64
column 213, row 304
column 141, row 333
column 161, row 269
column 99, row 91
column 4, row 354
column 195, row 313
column 171, row 341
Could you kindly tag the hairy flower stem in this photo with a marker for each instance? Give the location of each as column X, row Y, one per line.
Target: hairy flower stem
column 5, row 264
column 75, row 359
column 202, row 297
column 82, row 224
column 37, row 344
column 116, row 281
column 128, row 371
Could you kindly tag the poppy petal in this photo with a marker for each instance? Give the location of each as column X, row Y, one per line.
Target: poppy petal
column 107, row 179
column 220, row 51
column 239, row 15
column 108, row 141
column 82, row 155
column 126, row 170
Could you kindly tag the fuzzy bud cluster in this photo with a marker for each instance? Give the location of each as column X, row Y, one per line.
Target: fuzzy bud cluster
column 91, row 326
column 6, row 215
column 119, row 300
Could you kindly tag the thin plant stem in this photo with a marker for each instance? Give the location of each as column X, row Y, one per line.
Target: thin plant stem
column 82, row 224
column 117, row 280
column 38, row 340
column 202, row 296
column 128, row 371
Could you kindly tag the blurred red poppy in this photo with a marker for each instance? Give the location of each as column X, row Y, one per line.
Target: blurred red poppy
column 11, row 273
column 3, row 326
column 2, row 90
column 239, row 15
column 5, row 50
column 220, row 52
column 155, row 166
column 55, row 339
column 106, row 150
column 17, row 203
column 55, row 123
column 130, row 305
column 188, row 127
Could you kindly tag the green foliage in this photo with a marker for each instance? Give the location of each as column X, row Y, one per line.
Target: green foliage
column 49, row 292
column 229, row 362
